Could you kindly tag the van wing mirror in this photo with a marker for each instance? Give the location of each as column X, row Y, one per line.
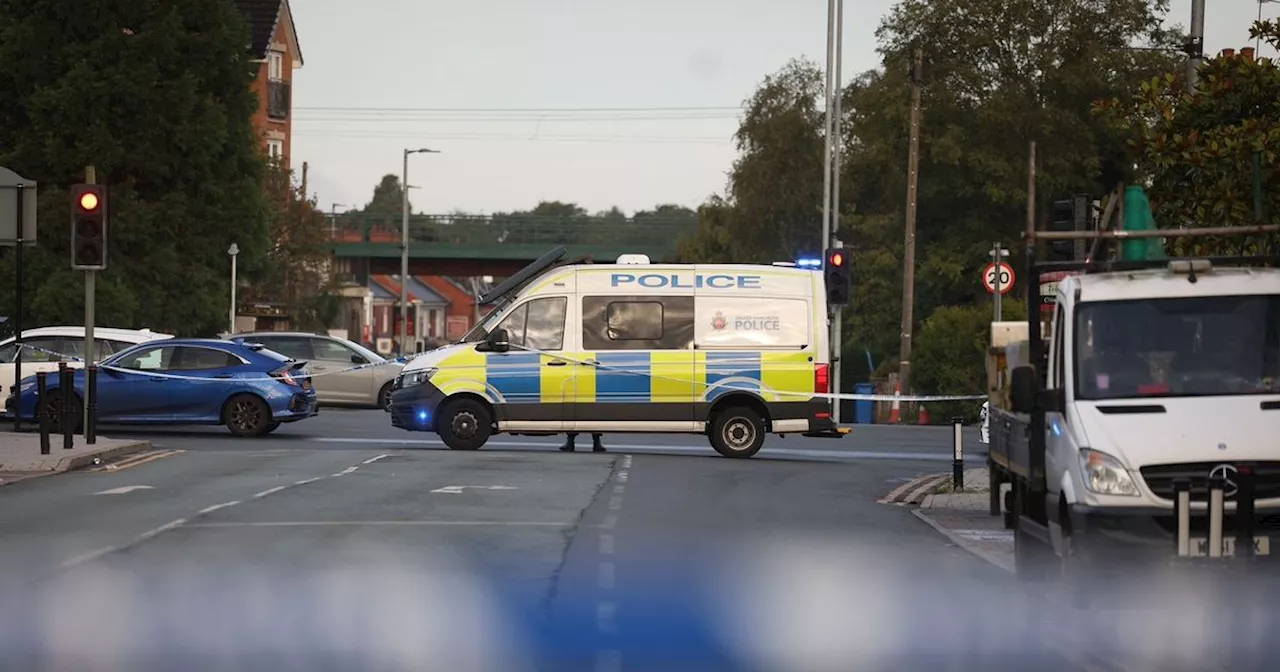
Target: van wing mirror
column 1024, row 385
column 497, row 341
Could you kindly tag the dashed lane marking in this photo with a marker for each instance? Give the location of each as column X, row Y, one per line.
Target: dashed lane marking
column 215, row 507
column 269, row 491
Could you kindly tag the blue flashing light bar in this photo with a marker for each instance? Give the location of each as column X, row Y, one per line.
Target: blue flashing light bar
column 809, row 263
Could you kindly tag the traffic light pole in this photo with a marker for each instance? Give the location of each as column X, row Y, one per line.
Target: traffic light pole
column 90, row 297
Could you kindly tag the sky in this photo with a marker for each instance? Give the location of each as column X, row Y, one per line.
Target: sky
column 603, row 103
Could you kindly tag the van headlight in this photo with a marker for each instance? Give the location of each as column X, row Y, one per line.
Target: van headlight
column 418, row 377
column 1104, row 475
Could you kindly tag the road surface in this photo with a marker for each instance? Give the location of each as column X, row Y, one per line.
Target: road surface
column 342, row 543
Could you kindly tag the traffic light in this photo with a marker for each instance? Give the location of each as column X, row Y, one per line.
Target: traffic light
column 838, row 276
column 1062, row 217
column 88, row 227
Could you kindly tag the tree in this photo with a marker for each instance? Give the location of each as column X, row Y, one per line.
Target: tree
column 297, row 272
column 1196, row 149
column 156, row 95
column 387, row 198
column 950, row 355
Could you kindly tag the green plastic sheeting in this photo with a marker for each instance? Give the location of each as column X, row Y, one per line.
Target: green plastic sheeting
column 1138, row 217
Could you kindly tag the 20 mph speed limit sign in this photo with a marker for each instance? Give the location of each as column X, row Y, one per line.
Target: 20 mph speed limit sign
column 1005, row 279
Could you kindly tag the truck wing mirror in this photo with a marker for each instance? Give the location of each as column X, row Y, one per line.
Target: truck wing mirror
column 1024, row 385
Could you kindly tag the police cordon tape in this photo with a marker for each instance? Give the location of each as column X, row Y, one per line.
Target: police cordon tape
column 727, row 385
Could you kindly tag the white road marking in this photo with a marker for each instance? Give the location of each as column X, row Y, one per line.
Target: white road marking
column 457, row 489
column 124, row 490
column 160, row 530
column 88, row 557
column 606, row 544
column 376, row 458
column 609, row 661
column 215, row 507
column 308, row 480
column 622, row 476
column 626, row 462
column 610, row 522
column 270, row 491
column 907, row 456
column 391, row 523
column 615, row 503
column 606, row 614
column 608, row 575
column 619, row 489
column 346, row 471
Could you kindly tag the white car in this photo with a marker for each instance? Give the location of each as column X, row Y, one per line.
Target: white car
column 65, row 342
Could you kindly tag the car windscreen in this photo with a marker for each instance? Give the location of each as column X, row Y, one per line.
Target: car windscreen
column 1180, row 347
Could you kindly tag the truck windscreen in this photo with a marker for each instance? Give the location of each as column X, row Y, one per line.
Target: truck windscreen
column 1179, row 347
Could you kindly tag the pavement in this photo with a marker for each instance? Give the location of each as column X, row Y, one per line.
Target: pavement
column 20, row 456
column 341, row 543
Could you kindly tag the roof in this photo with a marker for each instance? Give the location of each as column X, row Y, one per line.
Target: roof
column 130, row 335
column 264, row 16
column 387, row 287
column 1161, row 283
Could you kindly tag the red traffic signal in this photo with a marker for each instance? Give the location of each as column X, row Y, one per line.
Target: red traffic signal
column 837, row 277
column 88, row 227
column 836, row 258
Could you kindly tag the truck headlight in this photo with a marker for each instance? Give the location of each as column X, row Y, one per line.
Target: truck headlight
column 418, row 377
column 1104, row 475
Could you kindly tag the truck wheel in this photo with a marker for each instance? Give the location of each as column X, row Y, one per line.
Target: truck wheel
column 464, row 424
column 737, row 431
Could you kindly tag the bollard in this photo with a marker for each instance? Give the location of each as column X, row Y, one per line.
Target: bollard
column 1182, row 515
column 91, row 399
column 42, row 419
column 67, row 394
column 957, row 454
column 1245, row 493
column 1216, row 484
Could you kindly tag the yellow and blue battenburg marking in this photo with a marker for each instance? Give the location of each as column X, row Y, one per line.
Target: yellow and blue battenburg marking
column 627, row 377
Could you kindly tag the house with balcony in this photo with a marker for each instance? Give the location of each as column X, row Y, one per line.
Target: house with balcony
column 274, row 44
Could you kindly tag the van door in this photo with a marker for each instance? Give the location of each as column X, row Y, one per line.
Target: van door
column 645, row 372
column 534, row 378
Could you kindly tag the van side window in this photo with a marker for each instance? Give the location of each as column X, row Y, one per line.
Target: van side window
column 637, row 322
column 544, row 328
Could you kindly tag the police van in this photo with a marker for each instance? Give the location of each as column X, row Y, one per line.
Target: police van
column 731, row 351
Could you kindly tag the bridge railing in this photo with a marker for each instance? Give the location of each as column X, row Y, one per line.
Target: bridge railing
column 471, row 230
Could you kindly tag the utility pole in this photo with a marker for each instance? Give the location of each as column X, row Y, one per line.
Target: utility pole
column 404, row 246
column 827, row 129
column 1195, row 43
column 909, row 247
column 1031, row 198
column 90, row 299
column 837, row 143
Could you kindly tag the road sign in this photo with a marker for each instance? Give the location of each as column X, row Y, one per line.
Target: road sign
column 1006, row 278
column 10, row 209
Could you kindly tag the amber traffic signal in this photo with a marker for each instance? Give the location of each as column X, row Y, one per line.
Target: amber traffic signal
column 88, row 227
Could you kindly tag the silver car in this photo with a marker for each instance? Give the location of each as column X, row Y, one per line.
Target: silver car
column 333, row 361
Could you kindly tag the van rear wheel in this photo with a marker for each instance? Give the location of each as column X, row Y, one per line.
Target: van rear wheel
column 737, row 431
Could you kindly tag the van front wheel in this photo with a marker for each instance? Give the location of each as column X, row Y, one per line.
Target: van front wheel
column 464, row 424
column 737, row 431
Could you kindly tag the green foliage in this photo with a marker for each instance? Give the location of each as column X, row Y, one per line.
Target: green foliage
column 1196, row 149
column 387, row 199
column 156, row 95
column 949, row 355
column 996, row 76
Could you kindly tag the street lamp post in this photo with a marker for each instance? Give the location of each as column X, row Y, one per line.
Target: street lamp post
column 232, row 252
column 404, row 244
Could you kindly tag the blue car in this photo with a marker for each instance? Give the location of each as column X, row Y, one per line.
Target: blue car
column 244, row 386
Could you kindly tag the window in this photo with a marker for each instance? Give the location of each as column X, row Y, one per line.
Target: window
column 331, row 351
column 544, row 328
column 75, row 346
column 148, row 359
column 514, row 324
column 634, row 320
column 637, row 322
column 1189, row 347
column 202, row 359
column 295, row 347
column 275, row 65
column 275, row 149
column 46, row 345
column 7, row 352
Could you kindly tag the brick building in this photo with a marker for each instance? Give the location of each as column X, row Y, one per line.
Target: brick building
column 274, row 44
